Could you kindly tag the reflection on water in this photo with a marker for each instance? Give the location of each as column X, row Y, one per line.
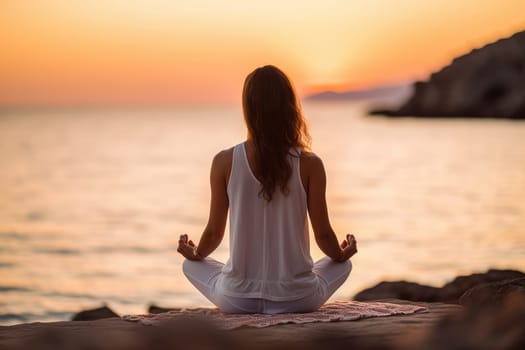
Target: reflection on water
column 92, row 202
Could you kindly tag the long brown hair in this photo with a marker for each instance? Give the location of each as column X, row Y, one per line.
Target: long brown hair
column 275, row 124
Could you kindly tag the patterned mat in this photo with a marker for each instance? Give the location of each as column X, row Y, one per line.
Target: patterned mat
column 336, row 311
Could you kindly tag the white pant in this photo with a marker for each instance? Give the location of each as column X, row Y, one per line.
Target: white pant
column 203, row 275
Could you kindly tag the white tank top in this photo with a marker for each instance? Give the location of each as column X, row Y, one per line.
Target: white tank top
column 269, row 243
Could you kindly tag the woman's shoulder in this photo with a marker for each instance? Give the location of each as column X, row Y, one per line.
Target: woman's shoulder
column 310, row 158
column 222, row 163
column 311, row 163
column 224, row 156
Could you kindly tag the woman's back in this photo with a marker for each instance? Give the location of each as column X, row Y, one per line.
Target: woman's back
column 268, row 193
column 269, row 244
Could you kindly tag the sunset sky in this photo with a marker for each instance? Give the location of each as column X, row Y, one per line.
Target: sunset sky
column 185, row 52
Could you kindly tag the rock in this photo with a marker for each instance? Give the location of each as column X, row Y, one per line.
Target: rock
column 95, row 314
column 452, row 291
column 154, row 309
column 192, row 333
column 487, row 82
column 493, row 293
column 487, row 327
column 188, row 334
column 399, row 290
column 449, row 293
column 115, row 334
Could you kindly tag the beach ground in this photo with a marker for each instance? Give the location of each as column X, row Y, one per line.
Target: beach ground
column 114, row 333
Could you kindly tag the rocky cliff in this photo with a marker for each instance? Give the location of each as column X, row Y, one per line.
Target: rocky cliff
column 488, row 83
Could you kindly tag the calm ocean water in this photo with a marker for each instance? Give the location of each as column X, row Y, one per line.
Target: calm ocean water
column 92, row 202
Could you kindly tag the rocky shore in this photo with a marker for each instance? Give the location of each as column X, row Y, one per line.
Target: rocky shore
column 479, row 311
column 488, row 82
column 458, row 291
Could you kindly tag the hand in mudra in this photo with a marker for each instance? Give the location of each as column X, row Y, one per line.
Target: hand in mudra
column 349, row 247
column 187, row 248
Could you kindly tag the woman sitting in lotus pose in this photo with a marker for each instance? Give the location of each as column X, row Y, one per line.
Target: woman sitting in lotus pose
column 269, row 183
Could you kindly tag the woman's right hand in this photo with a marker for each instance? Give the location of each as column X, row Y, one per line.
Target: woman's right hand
column 348, row 247
column 187, row 248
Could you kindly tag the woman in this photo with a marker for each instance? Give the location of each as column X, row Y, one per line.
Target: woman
column 269, row 183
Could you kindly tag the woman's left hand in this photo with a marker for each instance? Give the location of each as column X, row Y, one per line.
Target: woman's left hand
column 187, row 248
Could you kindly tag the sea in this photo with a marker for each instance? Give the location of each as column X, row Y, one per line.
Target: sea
column 93, row 200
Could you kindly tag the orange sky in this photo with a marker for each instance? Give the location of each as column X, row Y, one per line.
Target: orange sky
column 175, row 52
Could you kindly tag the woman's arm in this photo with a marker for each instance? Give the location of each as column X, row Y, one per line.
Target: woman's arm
column 317, row 209
column 219, row 204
